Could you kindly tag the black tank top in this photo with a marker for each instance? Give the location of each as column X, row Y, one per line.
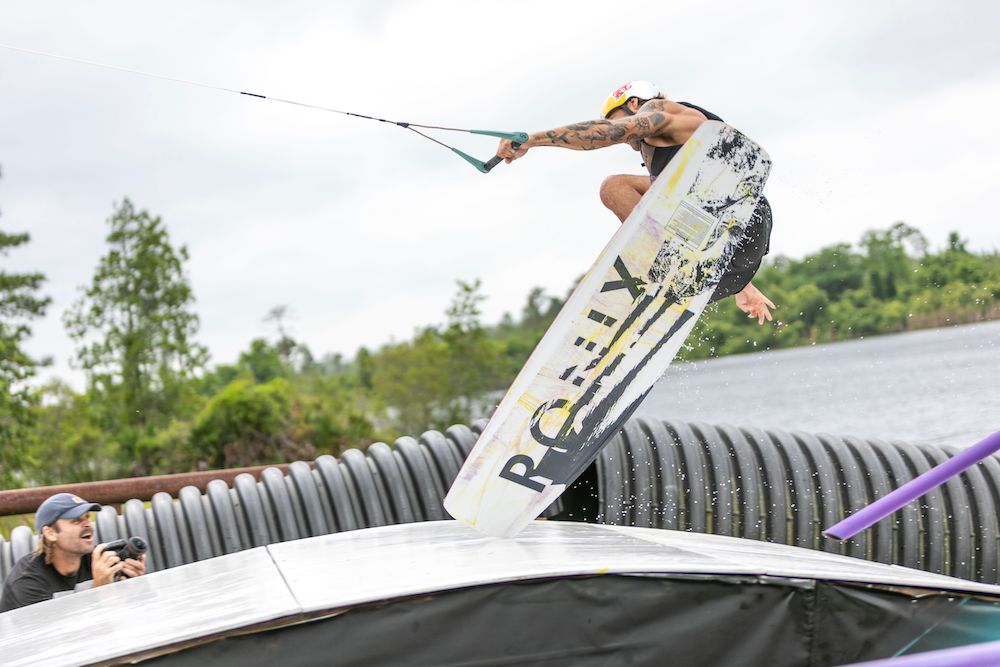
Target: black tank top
column 664, row 154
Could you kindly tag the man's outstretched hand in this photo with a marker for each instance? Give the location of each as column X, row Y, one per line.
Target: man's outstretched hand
column 753, row 302
column 507, row 151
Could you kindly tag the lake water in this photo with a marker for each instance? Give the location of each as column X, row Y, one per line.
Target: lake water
column 939, row 386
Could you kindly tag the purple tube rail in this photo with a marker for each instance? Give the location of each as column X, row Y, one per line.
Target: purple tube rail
column 913, row 489
column 972, row 655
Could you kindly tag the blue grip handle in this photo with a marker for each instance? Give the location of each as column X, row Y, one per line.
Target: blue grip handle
column 516, row 137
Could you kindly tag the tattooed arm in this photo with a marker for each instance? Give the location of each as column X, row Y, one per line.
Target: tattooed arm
column 652, row 122
column 592, row 134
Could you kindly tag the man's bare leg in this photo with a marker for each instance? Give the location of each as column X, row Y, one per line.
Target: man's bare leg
column 622, row 192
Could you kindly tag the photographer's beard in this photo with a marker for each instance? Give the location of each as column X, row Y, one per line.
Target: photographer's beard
column 66, row 542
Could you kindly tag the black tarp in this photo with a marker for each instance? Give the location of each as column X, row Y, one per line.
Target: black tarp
column 621, row 620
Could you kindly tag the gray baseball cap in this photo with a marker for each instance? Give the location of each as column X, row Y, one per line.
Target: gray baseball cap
column 62, row 506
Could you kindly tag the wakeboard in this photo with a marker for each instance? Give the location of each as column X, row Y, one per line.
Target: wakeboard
column 616, row 334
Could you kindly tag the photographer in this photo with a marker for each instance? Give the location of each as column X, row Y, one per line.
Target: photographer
column 65, row 559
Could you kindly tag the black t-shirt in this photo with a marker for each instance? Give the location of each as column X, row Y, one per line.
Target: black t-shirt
column 31, row 581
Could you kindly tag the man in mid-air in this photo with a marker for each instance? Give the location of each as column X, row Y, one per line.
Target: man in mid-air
column 639, row 115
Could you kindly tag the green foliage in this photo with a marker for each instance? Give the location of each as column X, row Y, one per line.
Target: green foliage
column 888, row 263
column 539, row 310
column 410, row 378
column 247, row 424
column 891, row 283
column 366, row 368
column 335, row 411
column 135, row 330
column 264, row 361
column 518, row 338
column 19, row 303
column 443, row 375
column 276, row 402
column 473, row 362
column 67, row 444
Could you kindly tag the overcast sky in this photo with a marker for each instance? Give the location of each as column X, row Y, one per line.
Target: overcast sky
column 873, row 112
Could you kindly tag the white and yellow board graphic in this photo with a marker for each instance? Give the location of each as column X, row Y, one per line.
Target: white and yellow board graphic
column 615, row 335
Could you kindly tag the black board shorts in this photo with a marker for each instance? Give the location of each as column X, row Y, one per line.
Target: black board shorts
column 749, row 253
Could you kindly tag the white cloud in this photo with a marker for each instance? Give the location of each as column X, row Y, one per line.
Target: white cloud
column 362, row 228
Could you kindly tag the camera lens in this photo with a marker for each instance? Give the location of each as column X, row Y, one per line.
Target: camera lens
column 135, row 546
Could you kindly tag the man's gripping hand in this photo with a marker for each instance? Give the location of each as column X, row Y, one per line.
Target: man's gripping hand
column 507, row 151
column 134, row 567
column 105, row 565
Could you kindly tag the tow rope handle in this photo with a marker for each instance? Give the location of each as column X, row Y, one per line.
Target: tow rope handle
column 517, row 138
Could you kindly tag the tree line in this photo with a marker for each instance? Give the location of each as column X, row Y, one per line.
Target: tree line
column 154, row 404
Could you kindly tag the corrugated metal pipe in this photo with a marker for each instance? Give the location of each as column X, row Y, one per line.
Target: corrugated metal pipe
column 383, row 485
column 786, row 487
column 759, row 484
